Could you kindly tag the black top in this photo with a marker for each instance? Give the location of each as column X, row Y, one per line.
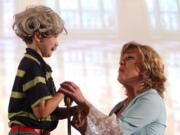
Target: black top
column 33, row 83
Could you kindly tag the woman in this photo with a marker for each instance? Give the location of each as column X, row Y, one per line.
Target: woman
column 141, row 72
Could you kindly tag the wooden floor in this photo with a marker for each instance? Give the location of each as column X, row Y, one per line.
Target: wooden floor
column 93, row 65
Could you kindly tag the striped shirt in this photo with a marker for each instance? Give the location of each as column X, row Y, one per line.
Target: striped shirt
column 33, row 84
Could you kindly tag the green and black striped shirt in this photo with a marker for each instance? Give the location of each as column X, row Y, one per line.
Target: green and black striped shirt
column 33, row 83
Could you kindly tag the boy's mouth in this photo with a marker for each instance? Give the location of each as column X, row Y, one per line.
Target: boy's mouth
column 53, row 49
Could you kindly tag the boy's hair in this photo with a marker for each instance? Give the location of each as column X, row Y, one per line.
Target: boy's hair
column 40, row 19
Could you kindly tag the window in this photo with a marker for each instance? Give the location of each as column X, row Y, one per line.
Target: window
column 86, row 14
column 7, row 16
column 164, row 14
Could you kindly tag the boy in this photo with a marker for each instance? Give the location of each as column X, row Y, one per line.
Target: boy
column 33, row 106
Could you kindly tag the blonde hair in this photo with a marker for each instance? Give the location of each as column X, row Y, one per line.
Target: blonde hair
column 151, row 67
column 40, row 19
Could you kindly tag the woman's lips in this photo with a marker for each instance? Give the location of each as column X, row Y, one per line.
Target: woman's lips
column 121, row 69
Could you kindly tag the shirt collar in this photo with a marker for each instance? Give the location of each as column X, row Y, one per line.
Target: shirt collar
column 32, row 54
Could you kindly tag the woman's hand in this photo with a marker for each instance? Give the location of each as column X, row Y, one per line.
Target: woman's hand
column 73, row 91
column 79, row 120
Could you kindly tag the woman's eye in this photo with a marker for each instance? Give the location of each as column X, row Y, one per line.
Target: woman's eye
column 130, row 58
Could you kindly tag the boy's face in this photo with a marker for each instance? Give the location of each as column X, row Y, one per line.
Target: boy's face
column 47, row 46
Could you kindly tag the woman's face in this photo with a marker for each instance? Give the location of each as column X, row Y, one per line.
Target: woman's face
column 129, row 72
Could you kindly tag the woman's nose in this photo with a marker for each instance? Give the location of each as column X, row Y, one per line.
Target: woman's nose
column 122, row 62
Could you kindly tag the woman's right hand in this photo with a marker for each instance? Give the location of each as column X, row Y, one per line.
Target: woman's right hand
column 73, row 91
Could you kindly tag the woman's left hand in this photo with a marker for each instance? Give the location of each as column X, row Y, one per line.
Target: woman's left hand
column 79, row 120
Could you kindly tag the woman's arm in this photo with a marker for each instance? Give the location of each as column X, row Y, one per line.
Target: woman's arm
column 97, row 122
column 100, row 124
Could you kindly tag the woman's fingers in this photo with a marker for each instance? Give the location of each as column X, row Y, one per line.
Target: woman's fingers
column 72, row 90
column 67, row 86
column 69, row 83
column 66, row 92
column 79, row 124
column 73, row 85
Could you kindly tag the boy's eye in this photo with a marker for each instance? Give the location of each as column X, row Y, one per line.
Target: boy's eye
column 130, row 58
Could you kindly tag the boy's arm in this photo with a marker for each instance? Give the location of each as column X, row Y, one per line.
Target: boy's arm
column 46, row 107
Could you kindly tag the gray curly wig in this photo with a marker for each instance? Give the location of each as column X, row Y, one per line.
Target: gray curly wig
column 40, row 19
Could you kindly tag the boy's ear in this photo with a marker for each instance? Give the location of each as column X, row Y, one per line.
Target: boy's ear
column 38, row 37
